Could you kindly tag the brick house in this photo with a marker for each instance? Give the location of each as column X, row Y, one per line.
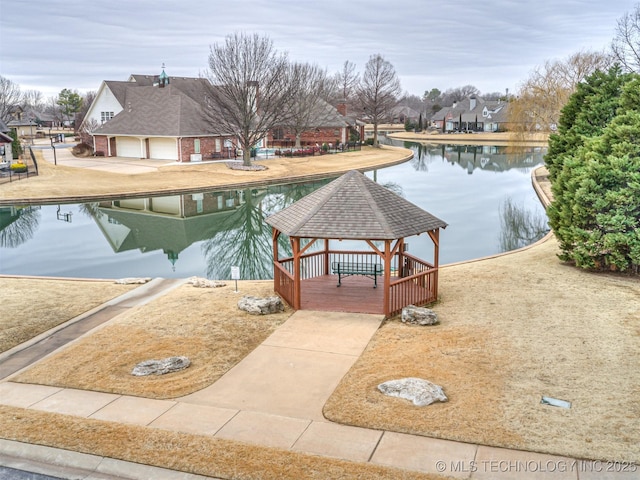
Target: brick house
column 155, row 117
column 330, row 126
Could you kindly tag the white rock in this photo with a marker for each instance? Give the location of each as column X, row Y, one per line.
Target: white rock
column 132, row 281
column 260, row 306
column 205, row 283
column 420, row 392
column 160, row 367
column 419, row 316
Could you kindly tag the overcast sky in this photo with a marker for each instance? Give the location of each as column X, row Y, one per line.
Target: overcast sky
column 49, row 45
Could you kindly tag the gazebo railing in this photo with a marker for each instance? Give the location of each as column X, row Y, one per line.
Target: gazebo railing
column 413, row 281
column 283, row 283
column 415, row 287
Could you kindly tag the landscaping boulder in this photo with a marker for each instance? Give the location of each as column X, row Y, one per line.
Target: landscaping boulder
column 260, row 306
column 419, row 316
column 133, row 281
column 160, row 367
column 420, row 392
column 205, row 283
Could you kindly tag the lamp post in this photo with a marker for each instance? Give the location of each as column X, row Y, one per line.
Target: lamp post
column 55, row 160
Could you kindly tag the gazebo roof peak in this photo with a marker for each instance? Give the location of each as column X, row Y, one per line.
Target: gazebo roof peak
column 354, row 207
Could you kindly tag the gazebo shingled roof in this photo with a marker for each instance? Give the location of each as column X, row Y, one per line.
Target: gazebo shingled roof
column 354, row 207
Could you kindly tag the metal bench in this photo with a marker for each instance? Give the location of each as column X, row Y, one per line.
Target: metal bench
column 346, row 269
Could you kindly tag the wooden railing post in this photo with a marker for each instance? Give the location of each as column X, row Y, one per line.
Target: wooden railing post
column 296, row 273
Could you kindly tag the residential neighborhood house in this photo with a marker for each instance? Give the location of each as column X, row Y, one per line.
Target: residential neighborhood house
column 5, row 145
column 161, row 117
column 472, row 114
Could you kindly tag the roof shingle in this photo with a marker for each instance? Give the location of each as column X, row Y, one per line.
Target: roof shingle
column 354, row 207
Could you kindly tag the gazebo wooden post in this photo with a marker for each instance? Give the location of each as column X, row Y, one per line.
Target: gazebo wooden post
column 387, row 277
column 296, row 273
column 401, row 272
column 275, row 234
column 326, row 256
column 435, row 237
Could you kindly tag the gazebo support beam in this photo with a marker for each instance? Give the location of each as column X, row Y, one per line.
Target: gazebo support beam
column 296, row 273
column 388, row 255
column 326, row 256
column 435, row 237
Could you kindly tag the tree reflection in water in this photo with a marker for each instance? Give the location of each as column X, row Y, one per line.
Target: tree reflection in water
column 17, row 225
column 245, row 240
column 520, row 227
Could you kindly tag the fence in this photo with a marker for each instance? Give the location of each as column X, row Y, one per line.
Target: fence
column 8, row 175
column 314, row 150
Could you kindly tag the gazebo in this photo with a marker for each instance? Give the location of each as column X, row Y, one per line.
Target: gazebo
column 353, row 207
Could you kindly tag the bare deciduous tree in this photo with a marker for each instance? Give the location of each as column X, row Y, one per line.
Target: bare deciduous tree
column 312, row 88
column 32, row 99
column 626, row 43
column 86, row 128
column 548, row 88
column 347, row 82
column 251, row 90
column 10, row 97
column 378, row 92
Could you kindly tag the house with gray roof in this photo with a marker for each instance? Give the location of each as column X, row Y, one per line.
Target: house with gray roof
column 472, row 114
column 161, row 117
column 155, row 117
column 5, row 144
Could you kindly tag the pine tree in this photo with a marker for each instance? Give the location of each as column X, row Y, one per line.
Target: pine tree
column 596, row 214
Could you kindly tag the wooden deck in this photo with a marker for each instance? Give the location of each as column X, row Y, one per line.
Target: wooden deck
column 356, row 295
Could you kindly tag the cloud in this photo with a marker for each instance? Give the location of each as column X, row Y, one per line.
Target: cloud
column 54, row 44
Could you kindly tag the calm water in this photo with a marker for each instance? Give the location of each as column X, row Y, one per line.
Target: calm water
column 483, row 193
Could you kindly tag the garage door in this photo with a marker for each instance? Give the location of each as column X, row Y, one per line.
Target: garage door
column 128, row 147
column 163, row 148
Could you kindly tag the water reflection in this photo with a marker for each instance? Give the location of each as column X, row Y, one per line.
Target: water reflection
column 17, row 225
column 230, row 225
column 207, row 233
column 473, row 157
column 519, row 226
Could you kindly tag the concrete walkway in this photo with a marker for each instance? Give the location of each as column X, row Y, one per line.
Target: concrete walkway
column 27, row 353
column 274, row 397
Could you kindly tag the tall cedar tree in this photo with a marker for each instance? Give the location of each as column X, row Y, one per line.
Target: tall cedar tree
column 596, row 209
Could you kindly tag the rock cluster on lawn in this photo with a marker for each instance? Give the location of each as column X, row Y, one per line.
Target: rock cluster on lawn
column 420, row 392
column 419, row 316
column 260, row 306
column 160, row 367
column 205, row 283
column 133, row 281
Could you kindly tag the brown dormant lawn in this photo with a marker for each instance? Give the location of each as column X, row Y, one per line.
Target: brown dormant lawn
column 513, row 328
column 31, row 306
column 203, row 324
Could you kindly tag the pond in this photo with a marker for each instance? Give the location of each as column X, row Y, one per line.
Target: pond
column 484, row 194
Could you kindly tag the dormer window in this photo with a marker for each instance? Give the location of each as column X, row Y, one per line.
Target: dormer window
column 485, row 112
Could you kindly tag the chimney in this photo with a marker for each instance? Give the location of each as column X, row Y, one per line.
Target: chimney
column 472, row 102
column 342, row 109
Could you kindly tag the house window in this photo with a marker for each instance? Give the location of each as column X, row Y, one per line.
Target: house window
column 278, row 134
column 217, row 145
column 106, row 116
column 196, row 145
